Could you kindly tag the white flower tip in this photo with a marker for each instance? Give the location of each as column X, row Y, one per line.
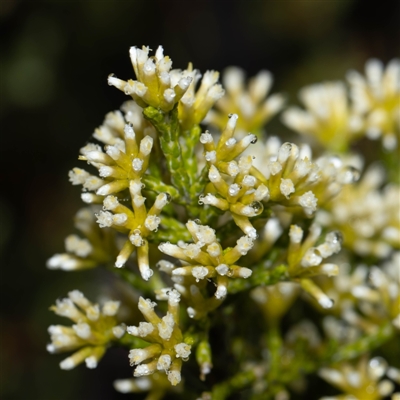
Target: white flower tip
column 232, row 121
column 164, row 362
column 120, row 261
column 182, row 350
column 221, row 292
column 51, row 348
column 147, row 273
column 199, row 273
column 67, row 364
column 174, row 377
column 123, row 385
column 244, row 244
column 110, row 308
column 245, row 272
column 287, row 187
column 91, row 362
column 118, row 331
column 103, row 190
column 142, row 370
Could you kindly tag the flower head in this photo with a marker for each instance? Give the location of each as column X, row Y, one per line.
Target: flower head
column 159, row 86
column 376, row 97
column 205, row 259
column 367, row 216
column 82, row 253
column 379, row 297
column 362, row 380
column 94, row 328
column 328, row 118
column 167, row 349
column 251, row 104
column 155, row 86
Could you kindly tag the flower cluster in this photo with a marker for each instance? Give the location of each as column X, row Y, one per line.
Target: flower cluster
column 235, row 223
column 335, row 118
column 82, row 253
column 205, row 260
column 92, row 332
column 354, row 213
column 363, row 380
column 376, row 98
column 328, row 119
column 161, row 87
column 167, row 349
column 250, row 104
column 379, row 296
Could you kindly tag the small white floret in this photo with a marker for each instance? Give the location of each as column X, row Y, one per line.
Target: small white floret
column 206, row 138
column 137, row 164
column 118, row 331
column 166, row 326
column 82, row 330
column 214, row 249
column 308, row 201
column 222, row 269
column 104, row 219
column 142, row 370
column 211, row 156
column 146, row 145
column 311, row 258
column 67, row 364
column 199, row 273
column 164, row 362
column 295, row 234
column 221, row 292
column 234, row 189
column 214, row 174
column 287, row 187
column 152, row 222
column 91, row 362
column 120, row 219
column 244, row 244
column 110, row 308
column 182, row 350
column 174, row 377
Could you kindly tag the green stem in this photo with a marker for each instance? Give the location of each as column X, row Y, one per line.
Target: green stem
column 167, row 125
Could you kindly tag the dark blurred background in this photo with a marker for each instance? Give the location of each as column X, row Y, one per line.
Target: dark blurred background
column 55, row 58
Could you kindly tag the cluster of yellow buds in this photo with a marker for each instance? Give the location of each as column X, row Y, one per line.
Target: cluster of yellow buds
column 128, row 138
column 121, row 163
column 156, row 84
column 251, row 104
column 294, row 180
column 232, row 220
column 89, row 252
column 159, row 86
column 204, row 260
column 363, row 380
column 380, row 297
column 334, row 121
column 137, row 224
column 340, row 287
column 167, row 349
column 92, row 332
column 355, row 213
column 376, row 98
column 328, row 119
column 304, row 259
